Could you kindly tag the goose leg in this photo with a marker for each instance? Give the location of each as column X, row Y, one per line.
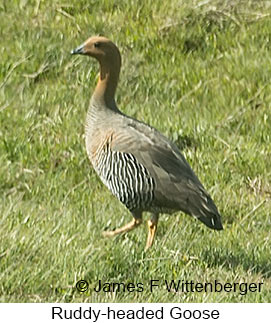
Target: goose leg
column 152, row 226
column 137, row 220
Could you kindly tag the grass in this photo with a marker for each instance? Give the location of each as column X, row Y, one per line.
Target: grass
column 199, row 71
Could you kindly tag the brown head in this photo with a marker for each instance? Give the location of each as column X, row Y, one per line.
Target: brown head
column 101, row 48
column 108, row 55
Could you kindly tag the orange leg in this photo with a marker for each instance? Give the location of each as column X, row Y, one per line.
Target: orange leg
column 137, row 220
column 152, row 226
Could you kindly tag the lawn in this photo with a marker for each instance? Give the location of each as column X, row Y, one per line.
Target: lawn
column 199, row 71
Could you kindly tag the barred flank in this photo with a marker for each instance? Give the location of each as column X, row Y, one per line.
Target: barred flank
column 127, row 179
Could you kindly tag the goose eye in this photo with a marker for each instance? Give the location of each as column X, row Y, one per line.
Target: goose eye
column 97, row 45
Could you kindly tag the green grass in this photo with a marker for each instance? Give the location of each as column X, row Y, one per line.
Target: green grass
column 200, row 73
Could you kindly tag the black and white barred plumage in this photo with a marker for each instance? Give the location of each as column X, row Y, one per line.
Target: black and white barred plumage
column 127, row 179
